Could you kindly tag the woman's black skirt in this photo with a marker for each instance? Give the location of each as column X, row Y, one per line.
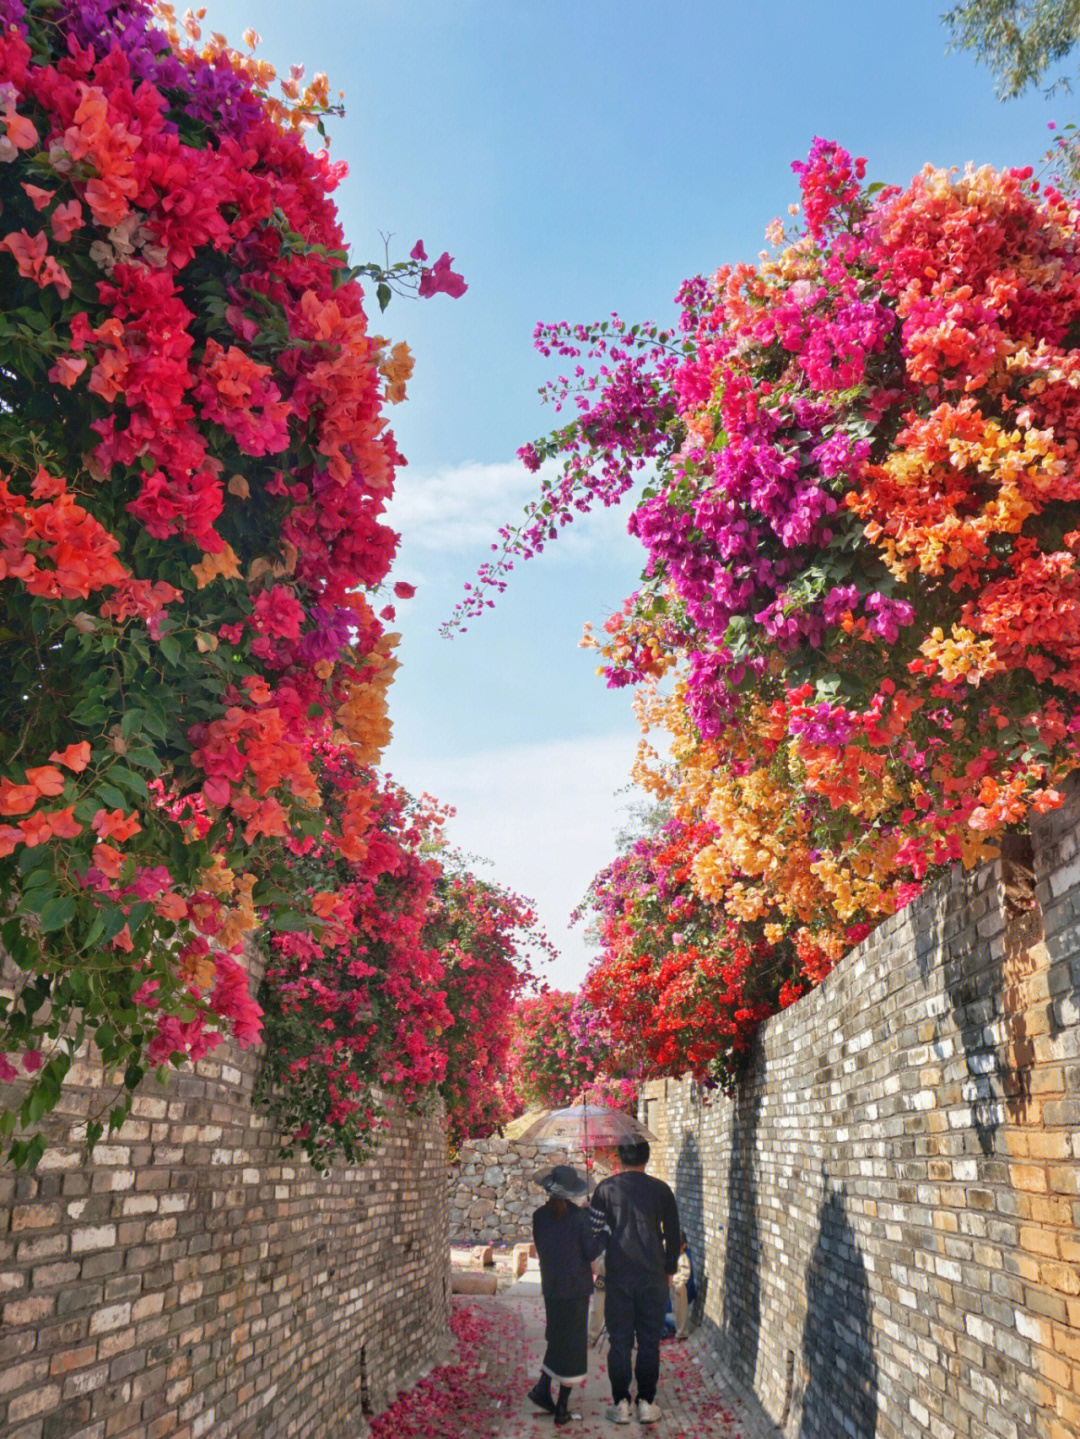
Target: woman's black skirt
column 566, row 1357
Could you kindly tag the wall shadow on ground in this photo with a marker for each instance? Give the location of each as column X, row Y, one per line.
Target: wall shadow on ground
column 839, row 1371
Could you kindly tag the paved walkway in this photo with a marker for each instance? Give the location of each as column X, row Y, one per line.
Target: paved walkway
column 500, row 1342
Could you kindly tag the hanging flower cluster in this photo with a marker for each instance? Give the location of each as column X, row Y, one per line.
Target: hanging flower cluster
column 860, row 616
column 194, row 466
column 680, row 986
column 487, row 939
column 406, row 986
column 553, row 1060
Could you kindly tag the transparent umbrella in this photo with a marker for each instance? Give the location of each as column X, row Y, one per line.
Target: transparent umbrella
column 586, row 1127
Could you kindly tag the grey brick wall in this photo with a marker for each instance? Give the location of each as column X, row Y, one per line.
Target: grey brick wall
column 184, row 1281
column 886, row 1216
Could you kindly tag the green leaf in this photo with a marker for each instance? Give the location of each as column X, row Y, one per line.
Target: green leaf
column 290, row 921
column 58, row 912
column 383, row 294
column 145, row 758
column 95, row 931
column 90, row 712
column 170, row 648
column 155, row 722
column 130, row 780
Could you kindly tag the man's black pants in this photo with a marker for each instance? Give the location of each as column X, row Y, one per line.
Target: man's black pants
column 634, row 1307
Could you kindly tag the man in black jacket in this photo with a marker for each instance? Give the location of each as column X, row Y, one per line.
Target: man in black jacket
column 641, row 1257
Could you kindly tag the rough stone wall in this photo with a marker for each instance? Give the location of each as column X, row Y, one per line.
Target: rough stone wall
column 490, row 1191
column 185, row 1281
column 886, row 1215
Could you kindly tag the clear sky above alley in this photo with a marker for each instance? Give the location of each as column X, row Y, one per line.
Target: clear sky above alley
column 577, row 159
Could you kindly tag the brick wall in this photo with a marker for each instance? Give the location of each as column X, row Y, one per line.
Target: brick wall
column 886, row 1216
column 185, row 1281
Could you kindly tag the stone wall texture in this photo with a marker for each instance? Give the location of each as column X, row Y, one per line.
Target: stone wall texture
column 185, row 1281
column 886, row 1215
column 491, row 1195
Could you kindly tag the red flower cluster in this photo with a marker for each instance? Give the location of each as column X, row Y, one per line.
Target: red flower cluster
column 195, row 450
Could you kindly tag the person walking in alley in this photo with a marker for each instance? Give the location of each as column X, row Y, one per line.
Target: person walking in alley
column 641, row 1257
column 567, row 1240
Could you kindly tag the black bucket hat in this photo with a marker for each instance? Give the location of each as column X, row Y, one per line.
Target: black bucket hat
column 563, row 1181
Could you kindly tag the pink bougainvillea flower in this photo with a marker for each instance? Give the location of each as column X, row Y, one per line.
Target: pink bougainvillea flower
column 418, row 252
column 441, row 279
column 404, row 590
column 20, row 131
column 66, row 219
column 216, row 791
column 39, row 198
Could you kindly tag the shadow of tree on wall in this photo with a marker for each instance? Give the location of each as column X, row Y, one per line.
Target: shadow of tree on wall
column 690, row 1197
column 985, row 982
column 742, row 1239
column 840, row 1379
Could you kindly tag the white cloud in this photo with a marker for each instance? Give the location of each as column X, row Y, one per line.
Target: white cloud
column 459, row 506
column 462, row 507
column 546, row 815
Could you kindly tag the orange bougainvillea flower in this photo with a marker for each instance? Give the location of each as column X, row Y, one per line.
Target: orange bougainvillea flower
column 115, row 825
column 224, row 564
column 38, row 197
column 171, row 906
column 75, row 757
column 19, row 131
column 36, row 829
column 30, row 254
column 109, row 860
column 65, row 220
column 46, row 779
column 17, row 798
column 67, row 370
column 63, row 822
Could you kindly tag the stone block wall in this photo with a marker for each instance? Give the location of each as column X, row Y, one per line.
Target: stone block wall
column 886, row 1216
column 491, row 1195
column 185, row 1281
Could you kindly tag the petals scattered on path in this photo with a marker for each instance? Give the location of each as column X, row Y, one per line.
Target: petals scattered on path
column 500, row 1343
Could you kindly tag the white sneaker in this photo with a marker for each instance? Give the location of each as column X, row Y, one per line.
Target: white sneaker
column 648, row 1413
column 619, row 1413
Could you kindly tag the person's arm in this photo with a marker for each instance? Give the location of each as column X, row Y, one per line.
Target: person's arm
column 670, row 1230
column 600, row 1222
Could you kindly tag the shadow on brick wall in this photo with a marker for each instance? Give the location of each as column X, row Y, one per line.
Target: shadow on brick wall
column 690, row 1197
column 742, row 1237
column 839, row 1371
column 986, row 985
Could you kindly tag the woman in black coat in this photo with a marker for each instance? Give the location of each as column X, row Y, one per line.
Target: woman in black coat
column 567, row 1241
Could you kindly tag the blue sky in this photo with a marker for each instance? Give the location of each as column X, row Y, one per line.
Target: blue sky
column 577, row 159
